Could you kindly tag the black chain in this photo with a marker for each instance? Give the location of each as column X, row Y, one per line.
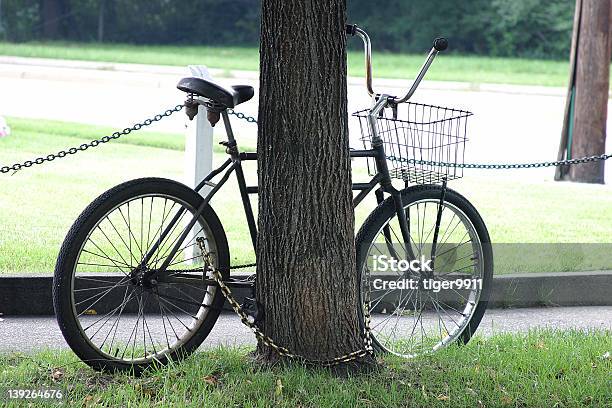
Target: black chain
column 116, row 135
column 249, row 265
column 241, row 115
column 580, row 160
column 490, row 166
column 251, row 119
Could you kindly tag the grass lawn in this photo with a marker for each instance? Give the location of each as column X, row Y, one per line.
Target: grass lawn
column 38, row 205
column 449, row 67
column 538, row 369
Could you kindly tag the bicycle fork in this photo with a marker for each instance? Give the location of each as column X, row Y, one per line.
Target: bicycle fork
column 386, row 186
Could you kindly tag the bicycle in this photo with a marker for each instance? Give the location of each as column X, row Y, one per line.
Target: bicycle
column 131, row 287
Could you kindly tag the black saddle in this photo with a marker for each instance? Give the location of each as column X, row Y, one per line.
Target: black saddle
column 215, row 92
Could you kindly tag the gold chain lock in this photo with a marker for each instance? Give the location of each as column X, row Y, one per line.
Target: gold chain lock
column 282, row 351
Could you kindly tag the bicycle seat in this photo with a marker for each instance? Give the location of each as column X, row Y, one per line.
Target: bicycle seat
column 215, row 92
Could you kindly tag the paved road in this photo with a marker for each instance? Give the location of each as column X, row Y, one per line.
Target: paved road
column 510, row 123
column 35, row 333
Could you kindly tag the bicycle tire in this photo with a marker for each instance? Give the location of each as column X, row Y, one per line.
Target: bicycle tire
column 386, row 211
column 74, row 243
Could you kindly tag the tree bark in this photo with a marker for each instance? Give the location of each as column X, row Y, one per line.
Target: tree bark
column 562, row 172
column 306, row 279
column 592, row 87
column 51, row 14
column 101, row 10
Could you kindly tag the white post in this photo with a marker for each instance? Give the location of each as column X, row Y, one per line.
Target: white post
column 198, row 151
column 198, row 141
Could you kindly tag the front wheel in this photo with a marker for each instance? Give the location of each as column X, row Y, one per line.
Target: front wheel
column 116, row 313
column 418, row 306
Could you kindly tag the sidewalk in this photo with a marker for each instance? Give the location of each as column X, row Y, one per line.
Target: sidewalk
column 45, row 68
column 27, row 334
column 508, row 291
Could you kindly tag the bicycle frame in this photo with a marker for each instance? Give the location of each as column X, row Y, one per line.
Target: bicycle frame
column 234, row 164
column 382, row 177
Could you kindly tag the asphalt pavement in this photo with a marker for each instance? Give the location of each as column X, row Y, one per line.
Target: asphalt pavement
column 33, row 333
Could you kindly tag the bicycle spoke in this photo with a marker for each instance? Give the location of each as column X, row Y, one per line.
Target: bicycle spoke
column 104, row 257
column 106, row 292
column 128, row 223
column 107, row 257
column 123, row 241
column 111, row 313
column 165, row 298
column 94, row 280
column 112, row 245
column 100, row 265
column 117, row 321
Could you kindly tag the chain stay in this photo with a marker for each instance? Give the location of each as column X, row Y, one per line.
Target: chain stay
column 282, row 351
column 94, row 143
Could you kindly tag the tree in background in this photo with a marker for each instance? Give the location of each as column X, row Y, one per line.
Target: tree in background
column 584, row 126
column 306, row 280
column 519, row 28
column 51, row 13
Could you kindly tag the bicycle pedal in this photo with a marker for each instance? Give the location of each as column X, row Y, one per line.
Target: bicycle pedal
column 253, row 309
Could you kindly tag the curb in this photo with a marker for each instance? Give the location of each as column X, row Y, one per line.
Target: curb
column 162, row 75
column 31, row 295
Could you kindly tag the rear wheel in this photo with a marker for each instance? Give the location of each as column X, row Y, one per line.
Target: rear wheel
column 420, row 311
column 116, row 314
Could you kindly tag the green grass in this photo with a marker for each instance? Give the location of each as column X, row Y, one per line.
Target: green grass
column 538, row 369
column 449, row 67
column 38, row 205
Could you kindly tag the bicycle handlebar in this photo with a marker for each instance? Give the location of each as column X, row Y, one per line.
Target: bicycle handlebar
column 440, row 44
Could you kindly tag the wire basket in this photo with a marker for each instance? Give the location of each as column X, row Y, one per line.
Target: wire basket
column 413, row 133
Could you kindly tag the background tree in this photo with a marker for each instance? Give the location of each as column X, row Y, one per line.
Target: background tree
column 52, row 12
column 306, row 278
column 584, row 126
column 592, row 85
column 518, row 28
column 101, row 12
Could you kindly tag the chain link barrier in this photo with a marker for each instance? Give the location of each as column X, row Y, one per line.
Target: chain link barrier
column 250, row 119
column 367, row 350
column 241, row 115
column 504, row 166
column 488, row 166
column 94, row 143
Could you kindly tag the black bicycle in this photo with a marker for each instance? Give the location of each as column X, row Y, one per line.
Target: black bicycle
column 131, row 287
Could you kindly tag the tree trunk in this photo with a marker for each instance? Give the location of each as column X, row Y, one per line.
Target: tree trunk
column 101, row 10
column 306, row 279
column 562, row 172
column 592, row 87
column 51, row 14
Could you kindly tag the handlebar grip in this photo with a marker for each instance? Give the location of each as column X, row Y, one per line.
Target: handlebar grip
column 351, row 29
column 440, row 44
